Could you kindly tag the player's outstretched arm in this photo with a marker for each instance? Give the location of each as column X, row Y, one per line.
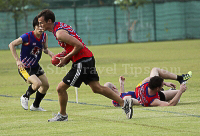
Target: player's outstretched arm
column 46, row 50
column 12, row 45
column 169, row 84
column 174, row 101
column 176, row 98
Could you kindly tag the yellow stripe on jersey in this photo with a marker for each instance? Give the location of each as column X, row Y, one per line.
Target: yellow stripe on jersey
column 139, row 84
column 24, row 73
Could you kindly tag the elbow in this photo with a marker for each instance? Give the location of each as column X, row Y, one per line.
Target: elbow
column 9, row 45
column 80, row 47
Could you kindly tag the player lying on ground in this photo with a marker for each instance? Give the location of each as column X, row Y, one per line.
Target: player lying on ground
column 83, row 67
column 28, row 65
column 124, row 95
column 149, row 93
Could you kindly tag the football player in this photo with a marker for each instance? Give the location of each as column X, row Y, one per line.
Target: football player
column 83, row 67
column 33, row 43
column 150, row 92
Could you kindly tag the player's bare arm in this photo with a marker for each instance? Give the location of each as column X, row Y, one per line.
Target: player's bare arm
column 63, row 36
column 176, row 98
column 121, row 82
column 174, row 101
column 12, row 45
column 46, row 50
column 169, row 84
column 158, row 102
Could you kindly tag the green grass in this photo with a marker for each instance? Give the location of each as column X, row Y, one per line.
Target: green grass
column 96, row 115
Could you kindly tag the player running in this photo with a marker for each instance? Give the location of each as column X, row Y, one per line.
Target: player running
column 33, row 43
column 83, row 67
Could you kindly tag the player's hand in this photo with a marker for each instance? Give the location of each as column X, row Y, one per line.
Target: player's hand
column 170, row 85
column 121, row 79
column 20, row 65
column 183, row 87
column 64, row 51
column 63, row 61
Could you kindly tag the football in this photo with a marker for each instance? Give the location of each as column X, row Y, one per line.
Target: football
column 55, row 61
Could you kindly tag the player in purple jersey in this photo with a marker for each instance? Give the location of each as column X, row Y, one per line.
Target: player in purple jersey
column 33, row 43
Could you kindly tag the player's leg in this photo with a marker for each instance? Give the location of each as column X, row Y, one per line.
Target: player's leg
column 168, row 75
column 69, row 80
column 35, row 84
column 169, row 94
column 63, row 99
column 62, row 96
column 97, row 88
column 92, row 79
column 29, row 75
column 163, row 73
column 107, row 92
column 40, row 94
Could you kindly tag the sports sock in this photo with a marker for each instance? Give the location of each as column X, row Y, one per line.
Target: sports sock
column 38, row 98
column 29, row 92
column 179, row 78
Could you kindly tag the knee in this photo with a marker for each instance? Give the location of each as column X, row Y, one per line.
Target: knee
column 36, row 85
column 60, row 88
column 155, row 69
column 46, row 86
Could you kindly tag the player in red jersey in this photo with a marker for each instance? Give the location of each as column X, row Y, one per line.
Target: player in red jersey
column 83, row 67
column 141, row 94
column 33, row 43
column 147, row 94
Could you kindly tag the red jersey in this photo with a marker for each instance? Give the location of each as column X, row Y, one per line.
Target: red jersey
column 142, row 95
column 85, row 52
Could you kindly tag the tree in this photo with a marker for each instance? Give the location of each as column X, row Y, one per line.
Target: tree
column 20, row 9
column 124, row 5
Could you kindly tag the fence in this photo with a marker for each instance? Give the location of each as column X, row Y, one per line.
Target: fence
column 109, row 24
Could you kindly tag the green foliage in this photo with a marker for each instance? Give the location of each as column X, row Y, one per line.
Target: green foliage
column 21, row 7
column 124, row 4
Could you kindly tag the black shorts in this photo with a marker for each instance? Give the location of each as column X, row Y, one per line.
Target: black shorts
column 162, row 95
column 27, row 72
column 82, row 71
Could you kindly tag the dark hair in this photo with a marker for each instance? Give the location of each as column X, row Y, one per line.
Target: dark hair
column 35, row 22
column 155, row 82
column 47, row 14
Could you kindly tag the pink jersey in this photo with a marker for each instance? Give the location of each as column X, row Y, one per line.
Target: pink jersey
column 142, row 95
column 85, row 52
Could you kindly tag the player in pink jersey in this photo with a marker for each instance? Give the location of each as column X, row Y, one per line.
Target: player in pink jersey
column 83, row 67
column 33, row 43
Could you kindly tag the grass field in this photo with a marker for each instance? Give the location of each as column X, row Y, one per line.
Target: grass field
column 95, row 115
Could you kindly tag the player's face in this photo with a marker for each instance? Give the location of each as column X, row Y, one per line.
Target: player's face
column 39, row 30
column 42, row 23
